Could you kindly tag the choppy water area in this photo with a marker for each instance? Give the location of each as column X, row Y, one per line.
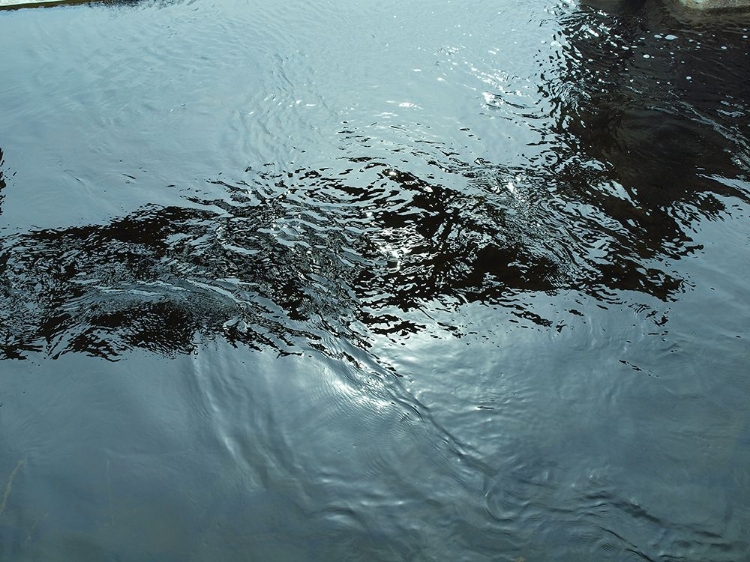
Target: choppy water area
column 374, row 281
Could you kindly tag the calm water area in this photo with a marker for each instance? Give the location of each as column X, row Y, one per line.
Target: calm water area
column 374, row 281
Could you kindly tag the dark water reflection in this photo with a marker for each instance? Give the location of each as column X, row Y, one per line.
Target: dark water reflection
column 659, row 115
column 305, row 253
column 349, row 313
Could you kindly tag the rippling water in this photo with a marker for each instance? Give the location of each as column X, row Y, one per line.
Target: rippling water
column 374, row 281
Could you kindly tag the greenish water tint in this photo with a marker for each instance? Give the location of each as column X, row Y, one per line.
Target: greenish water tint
column 374, row 281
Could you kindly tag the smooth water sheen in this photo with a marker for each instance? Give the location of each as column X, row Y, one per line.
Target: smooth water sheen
column 377, row 281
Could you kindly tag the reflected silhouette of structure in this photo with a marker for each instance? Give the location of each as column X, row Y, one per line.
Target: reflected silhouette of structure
column 653, row 118
column 662, row 111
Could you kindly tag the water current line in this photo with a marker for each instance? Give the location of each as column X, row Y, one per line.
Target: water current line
column 9, row 487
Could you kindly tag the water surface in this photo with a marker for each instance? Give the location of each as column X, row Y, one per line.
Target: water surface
column 374, row 281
